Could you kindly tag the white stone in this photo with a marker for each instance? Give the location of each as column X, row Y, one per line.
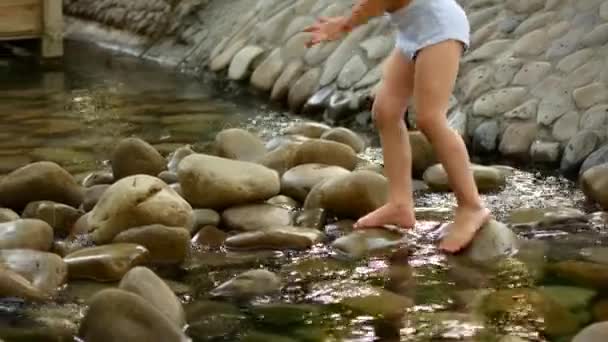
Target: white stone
column 343, row 53
column 518, row 138
column 489, row 50
column 353, row 71
column 268, row 71
column 505, row 70
column 525, row 111
column 590, row 95
column 303, row 88
column 532, row 44
column 584, row 74
column 531, row 73
column 481, row 16
column 292, row 71
column 536, row 21
column 223, row 59
column 477, row 81
column 599, row 36
column 595, row 118
column 499, row 101
column 566, row 127
column 604, row 10
column 525, row 6
column 297, row 25
column 239, row 66
column 372, row 77
column 558, row 29
column 378, row 47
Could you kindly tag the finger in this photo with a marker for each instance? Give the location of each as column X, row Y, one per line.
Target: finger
column 311, row 28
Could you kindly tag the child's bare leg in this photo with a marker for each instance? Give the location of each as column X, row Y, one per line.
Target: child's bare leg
column 389, row 107
column 436, row 72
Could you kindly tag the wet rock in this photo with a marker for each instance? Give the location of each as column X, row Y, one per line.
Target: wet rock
column 222, row 260
column 265, row 75
column 217, row 183
column 283, row 201
column 595, row 254
column 316, row 269
column 487, row 178
column 213, row 319
column 283, row 314
column 105, row 263
column 318, row 151
column 137, row 201
column 545, row 152
column 349, row 196
column 98, row 178
column 303, row 88
column 594, row 183
column 60, row 217
column 134, row 156
column 209, row 237
column 249, row 284
column 202, row 218
column 252, row 217
column 44, row 271
column 8, row 215
column 145, row 283
column 345, row 136
column 499, row 101
column 526, row 306
column 92, row 196
column 423, row 154
column 12, row 284
column 589, row 95
column 280, row 159
column 570, row 297
column 290, row 74
column 298, row 181
column 276, row 238
column 341, row 105
column 485, row 137
column 313, row 130
column 351, row 72
column 492, row 241
column 177, row 156
column 167, row 245
column 598, row 157
column 586, row 274
column 378, row 47
column 168, row 177
column 593, row 333
column 129, row 315
column 26, row 234
column 339, row 228
column 311, row 218
column 70, row 245
column 38, row 182
column 362, row 298
column 318, row 102
column 260, row 336
column 544, row 217
column 361, row 243
column 239, row 144
column 577, row 150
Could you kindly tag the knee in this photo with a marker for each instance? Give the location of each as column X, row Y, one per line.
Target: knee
column 385, row 115
column 430, row 124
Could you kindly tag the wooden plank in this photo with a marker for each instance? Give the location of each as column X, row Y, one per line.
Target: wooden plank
column 20, row 18
column 52, row 39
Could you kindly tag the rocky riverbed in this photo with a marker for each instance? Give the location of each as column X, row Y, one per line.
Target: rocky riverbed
column 145, row 216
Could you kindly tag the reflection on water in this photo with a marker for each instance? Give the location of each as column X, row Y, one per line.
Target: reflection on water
column 74, row 117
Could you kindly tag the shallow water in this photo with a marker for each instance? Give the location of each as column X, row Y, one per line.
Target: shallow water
column 74, row 117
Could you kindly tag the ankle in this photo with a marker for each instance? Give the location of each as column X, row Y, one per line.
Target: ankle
column 400, row 205
column 472, row 206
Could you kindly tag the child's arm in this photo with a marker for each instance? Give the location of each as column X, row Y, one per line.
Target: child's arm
column 366, row 9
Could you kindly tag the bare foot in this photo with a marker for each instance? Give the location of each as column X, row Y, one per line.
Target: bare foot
column 466, row 223
column 389, row 214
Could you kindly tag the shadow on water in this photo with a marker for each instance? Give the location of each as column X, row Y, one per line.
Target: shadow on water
column 76, row 115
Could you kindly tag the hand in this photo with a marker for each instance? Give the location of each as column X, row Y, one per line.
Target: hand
column 327, row 29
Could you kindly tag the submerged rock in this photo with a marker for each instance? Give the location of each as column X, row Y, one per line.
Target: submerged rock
column 249, row 284
column 116, row 315
column 145, row 283
column 137, row 201
column 213, row 319
column 276, row 238
column 167, row 245
column 350, row 196
column 218, row 183
column 39, row 181
column 364, row 242
column 252, row 217
column 582, row 273
column 27, row 234
column 105, row 263
column 133, row 156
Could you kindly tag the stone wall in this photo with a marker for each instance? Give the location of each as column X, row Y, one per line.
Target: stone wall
column 532, row 86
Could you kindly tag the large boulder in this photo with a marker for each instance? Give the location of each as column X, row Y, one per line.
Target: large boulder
column 351, row 196
column 236, row 143
column 134, row 156
column 116, row 315
column 37, row 182
column 298, row 181
column 218, row 183
column 319, row 151
column 135, row 201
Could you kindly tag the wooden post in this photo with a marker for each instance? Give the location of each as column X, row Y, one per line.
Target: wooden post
column 52, row 33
